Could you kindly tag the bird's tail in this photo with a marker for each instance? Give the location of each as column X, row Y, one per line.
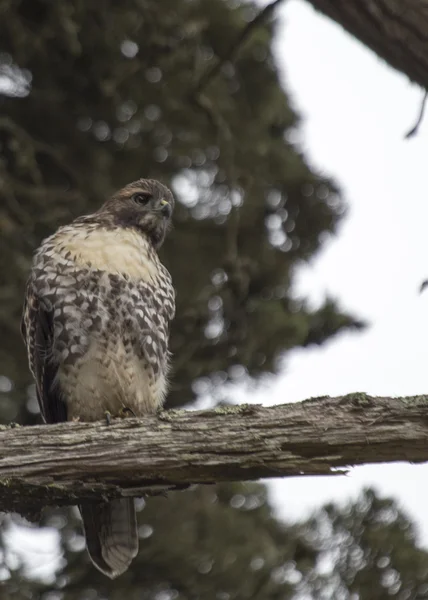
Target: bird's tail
column 111, row 534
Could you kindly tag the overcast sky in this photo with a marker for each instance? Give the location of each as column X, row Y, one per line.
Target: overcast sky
column 355, row 111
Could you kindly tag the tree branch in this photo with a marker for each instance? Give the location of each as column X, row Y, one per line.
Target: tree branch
column 235, row 47
column 395, row 29
column 414, row 130
column 71, row 462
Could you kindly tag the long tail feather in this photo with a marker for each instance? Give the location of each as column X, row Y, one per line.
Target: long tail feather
column 111, row 534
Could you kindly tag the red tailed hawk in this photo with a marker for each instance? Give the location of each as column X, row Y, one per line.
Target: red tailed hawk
column 96, row 324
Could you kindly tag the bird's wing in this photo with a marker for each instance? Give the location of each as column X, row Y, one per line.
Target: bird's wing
column 37, row 330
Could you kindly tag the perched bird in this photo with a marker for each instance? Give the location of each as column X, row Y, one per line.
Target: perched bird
column 96, row 323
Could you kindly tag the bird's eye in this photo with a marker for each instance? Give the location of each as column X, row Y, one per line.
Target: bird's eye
column 141, row 197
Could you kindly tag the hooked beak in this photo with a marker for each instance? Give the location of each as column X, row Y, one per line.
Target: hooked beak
column 165, row 208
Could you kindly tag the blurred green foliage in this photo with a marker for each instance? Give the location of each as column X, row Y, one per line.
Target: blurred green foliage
column 223, row 543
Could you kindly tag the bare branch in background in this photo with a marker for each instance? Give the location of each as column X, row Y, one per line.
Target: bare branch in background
column 414, row 130
column 230, row 56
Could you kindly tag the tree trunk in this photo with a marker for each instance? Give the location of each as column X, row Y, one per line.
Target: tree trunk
column 71, row 462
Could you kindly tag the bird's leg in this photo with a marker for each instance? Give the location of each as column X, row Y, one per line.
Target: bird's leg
column 108, row 417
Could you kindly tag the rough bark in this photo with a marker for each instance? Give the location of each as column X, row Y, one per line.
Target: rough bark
column 397, row 30
column 70, row 462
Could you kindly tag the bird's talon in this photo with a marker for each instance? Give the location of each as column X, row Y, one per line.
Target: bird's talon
column 125, row 411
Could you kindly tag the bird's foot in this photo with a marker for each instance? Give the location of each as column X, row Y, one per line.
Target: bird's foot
column 125, row 411
column 75, row 419
column 108, row 417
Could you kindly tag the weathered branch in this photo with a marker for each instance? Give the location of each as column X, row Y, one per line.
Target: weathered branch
column 70, row 462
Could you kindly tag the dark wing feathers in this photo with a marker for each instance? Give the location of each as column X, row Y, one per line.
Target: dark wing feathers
column 37, row 330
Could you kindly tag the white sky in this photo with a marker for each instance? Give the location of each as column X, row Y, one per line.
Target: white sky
column 355, row 111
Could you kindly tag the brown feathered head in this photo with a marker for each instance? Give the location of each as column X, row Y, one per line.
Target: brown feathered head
column 145, row 205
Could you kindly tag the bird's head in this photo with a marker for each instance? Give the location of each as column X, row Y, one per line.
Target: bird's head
column 145, row 205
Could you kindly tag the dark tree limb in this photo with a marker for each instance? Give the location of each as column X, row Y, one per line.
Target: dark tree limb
column 71, row 462
column 397, row 30
column 197, row 95
column 237, row 44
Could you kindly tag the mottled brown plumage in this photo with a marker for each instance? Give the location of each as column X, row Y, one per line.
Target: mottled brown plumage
column 96, row 324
